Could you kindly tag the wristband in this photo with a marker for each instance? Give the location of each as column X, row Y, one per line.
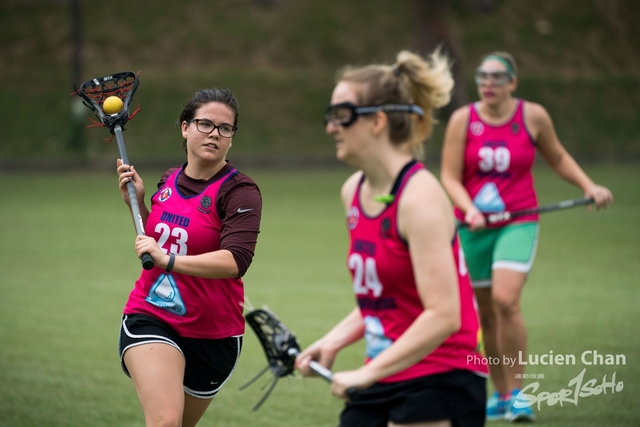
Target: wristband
column 172, row 259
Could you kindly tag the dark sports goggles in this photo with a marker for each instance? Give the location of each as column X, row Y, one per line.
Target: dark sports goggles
column 496, row 78
column 345, row 113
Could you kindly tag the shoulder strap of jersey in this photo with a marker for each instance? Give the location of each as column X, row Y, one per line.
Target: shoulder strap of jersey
column 400, row 180
column 519, row 109
column 473, row 113
column 172, row 178
column 388, row 199
column 355, row 200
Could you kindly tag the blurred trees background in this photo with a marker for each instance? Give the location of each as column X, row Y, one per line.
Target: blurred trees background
column 579, row 58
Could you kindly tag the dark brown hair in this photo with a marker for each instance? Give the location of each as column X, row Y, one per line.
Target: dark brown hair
column 206, row 96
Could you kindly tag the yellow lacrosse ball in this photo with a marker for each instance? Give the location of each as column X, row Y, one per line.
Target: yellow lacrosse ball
column 112, row 105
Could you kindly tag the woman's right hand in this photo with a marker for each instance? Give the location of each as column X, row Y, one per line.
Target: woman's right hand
column 314, row 352
column 475, row 219
column 127, row 173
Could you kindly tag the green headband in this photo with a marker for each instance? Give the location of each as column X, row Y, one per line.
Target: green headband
column 502, row 61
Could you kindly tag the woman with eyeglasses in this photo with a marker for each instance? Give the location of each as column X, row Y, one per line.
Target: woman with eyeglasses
column 487, row 158
column 182, row 328
column 414, row 303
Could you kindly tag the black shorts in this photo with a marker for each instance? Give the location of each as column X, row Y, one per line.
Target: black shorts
column 459, row 396
column 209, row 362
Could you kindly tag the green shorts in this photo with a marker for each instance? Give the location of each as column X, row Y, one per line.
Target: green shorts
column 511, row 247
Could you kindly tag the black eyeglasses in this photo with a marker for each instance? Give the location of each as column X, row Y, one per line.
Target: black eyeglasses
column 345, row 113
column 205, row 126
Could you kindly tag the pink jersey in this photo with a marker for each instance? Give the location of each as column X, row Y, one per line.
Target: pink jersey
column 387, row 295
column 195, row 307
column 497, row 165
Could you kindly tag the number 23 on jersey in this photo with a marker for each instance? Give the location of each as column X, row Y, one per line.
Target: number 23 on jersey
column 179, row 234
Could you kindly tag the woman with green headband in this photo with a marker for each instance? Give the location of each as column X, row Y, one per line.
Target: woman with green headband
column 488, row 153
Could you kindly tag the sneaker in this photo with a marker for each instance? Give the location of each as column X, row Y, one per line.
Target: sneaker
column 514, row 414
column 496, row 407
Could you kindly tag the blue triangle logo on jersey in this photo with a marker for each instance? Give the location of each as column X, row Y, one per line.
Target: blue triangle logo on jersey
column 488, row 199
column 165, row 294
column 376, row 340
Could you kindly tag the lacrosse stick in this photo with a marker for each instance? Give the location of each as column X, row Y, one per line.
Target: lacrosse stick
column 94, row 92
column 281, row 347
column 498, row 217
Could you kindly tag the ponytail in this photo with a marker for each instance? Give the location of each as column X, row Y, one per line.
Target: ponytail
column 426, row 83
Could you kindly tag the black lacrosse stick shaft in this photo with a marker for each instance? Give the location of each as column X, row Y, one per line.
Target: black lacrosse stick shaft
column 146, row 259
column 564, row 205
column 499, row 217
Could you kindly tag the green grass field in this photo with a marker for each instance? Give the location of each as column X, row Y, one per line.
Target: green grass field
column 68, row 263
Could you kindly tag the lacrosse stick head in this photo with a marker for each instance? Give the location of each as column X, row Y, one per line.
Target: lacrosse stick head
column 95, row 91
column 280, row 345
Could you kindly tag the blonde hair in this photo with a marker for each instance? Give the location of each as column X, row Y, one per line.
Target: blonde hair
column 410, row 80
